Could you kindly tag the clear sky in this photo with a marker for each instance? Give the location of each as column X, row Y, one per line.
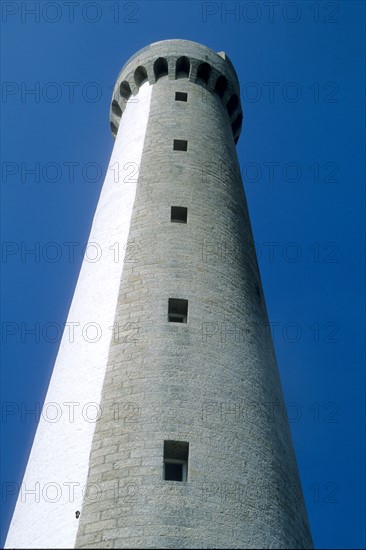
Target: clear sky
column 301, row 70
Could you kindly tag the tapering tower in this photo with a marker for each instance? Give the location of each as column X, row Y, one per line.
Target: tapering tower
column 191, row 446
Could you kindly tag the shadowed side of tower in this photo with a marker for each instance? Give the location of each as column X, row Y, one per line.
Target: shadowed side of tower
column 197, row 451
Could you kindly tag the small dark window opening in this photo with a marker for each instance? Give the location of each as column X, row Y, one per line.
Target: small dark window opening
column 160, row 67
column 203, row 72
column 116, row 109
column 140, row 75
column 176, row 460
column 232, row 104
column 181, row 96
column 221, row 85
column 177, row 310
column 114, row 128
column 182, row 67
column 125, row 90
column 236, row 125
column 178, row 214
column 180, row 145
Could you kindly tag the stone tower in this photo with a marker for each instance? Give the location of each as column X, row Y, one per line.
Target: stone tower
column 170, row 346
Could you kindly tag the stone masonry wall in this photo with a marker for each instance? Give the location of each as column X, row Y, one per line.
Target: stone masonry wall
column 212, row 382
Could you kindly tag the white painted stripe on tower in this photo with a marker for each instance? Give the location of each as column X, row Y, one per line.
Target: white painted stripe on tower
column 58, row 464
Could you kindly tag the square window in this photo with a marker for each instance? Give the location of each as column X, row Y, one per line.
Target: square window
column 178, row 214
column 177, row 310
column 176, row 460
column 180, row 145
column 173, row 470
column 181, row 96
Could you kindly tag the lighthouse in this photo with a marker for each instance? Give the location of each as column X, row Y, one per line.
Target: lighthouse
column 171, row 428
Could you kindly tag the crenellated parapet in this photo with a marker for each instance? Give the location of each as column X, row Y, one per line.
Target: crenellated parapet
column 177, row 59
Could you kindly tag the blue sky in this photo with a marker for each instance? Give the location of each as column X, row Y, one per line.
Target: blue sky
column 301, row 70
